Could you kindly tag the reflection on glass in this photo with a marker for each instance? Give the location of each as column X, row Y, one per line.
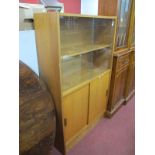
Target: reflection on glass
column 77, row 69
column 85, row 34
column 123, row 22
column 86, row 47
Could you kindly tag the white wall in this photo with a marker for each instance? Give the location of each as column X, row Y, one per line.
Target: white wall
column 27, row 49
column 27, row 44
column 89, row 7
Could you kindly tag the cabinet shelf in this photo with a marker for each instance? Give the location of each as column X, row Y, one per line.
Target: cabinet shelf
column 78, row 78
column 80, row 68
column 77, row 50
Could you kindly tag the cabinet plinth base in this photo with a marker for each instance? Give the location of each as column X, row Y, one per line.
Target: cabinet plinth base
column 109, row 113
column 129, row 97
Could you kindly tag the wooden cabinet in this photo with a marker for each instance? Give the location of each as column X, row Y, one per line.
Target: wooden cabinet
column 98, row 96
column 75, row 60
column 118, row 82
column 122, row 81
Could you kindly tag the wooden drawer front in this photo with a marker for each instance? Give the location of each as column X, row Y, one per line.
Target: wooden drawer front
column 122, row 61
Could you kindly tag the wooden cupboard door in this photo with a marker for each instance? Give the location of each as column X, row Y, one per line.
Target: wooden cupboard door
column 75, row 111
column 130, row 84
column 119, row 86
column 98, row 96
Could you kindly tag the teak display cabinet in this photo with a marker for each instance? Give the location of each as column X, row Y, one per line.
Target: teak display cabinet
column 75, row 60
column 122, row 79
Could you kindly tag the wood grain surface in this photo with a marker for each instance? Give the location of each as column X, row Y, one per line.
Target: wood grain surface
column 37, row 114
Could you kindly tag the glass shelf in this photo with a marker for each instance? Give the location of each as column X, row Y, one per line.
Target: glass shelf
column 78, row 69
column 76, row 50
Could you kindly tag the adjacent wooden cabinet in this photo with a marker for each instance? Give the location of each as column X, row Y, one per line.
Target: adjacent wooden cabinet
column 118, row 82
column 122, row 81
column 75, row 60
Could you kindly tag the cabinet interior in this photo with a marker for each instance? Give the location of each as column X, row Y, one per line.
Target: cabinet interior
column 86, row 48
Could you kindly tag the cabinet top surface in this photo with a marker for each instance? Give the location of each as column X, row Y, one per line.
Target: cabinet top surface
column 80, row 15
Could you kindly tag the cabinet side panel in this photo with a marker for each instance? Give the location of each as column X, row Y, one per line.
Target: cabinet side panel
column 47, row 40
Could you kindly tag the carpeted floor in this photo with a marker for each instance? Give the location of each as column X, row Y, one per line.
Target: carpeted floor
column 115, row 136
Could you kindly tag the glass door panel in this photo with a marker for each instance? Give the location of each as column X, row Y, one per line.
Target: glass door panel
column 81, row 35
column 123, row 22
column 79, row 68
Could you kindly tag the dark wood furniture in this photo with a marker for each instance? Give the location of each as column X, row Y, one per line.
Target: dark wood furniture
column 130, row 83
column 37, row 123
column 122, row 80
column 118, row 81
